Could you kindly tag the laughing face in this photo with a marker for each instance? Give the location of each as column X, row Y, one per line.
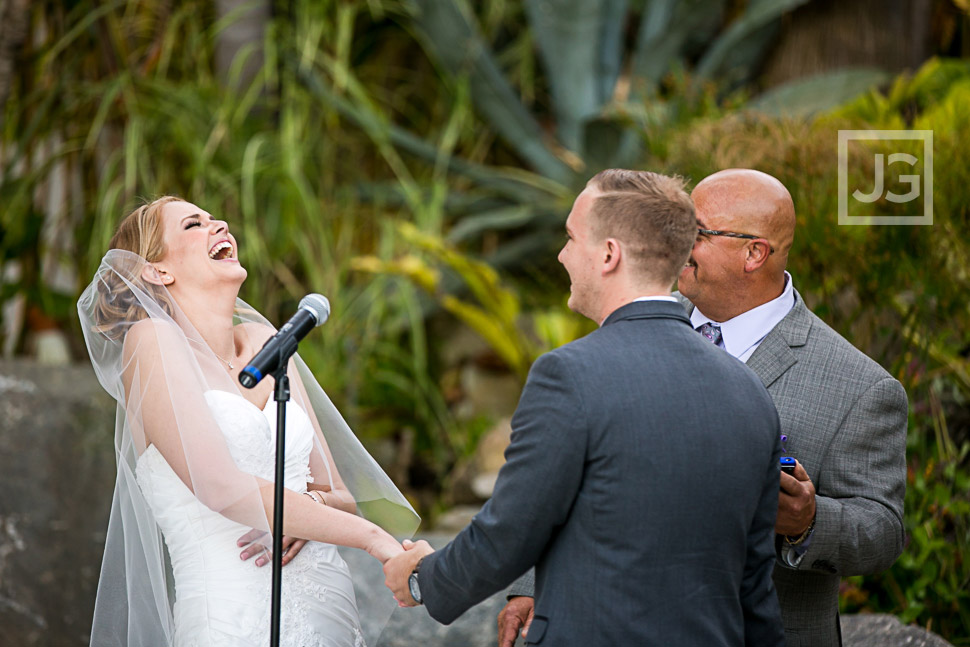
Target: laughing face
column 198, row 248
column 716, row 262
column 579, row 256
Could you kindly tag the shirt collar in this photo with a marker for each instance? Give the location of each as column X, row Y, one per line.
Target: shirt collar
column 749, row 328
column 657, row 298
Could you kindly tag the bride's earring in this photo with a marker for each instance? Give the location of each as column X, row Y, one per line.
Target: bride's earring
column 152, row 274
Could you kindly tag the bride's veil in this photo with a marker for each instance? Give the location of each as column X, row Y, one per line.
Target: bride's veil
column 150, row 358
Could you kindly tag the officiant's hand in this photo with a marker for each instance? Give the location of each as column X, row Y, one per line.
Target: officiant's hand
column 250, row 542
column 517, row 614
column 796, row 502
column 398, row 569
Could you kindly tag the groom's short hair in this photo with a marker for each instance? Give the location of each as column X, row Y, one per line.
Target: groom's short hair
column 651, row 215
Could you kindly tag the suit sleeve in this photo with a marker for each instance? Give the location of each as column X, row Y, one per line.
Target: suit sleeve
column 524, row 586
column 759, row 602
column 859, row 504
column 533, row 495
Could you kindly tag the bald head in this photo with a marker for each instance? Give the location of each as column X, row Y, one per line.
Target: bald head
column 731, row 274
column 751, row 202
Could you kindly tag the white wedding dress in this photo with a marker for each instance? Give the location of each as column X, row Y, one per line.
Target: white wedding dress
column 220, row 599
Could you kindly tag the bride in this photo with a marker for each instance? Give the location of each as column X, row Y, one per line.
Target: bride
column 167, row 336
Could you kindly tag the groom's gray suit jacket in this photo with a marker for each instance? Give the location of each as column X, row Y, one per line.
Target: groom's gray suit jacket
column 845, row 419
column 642, row 483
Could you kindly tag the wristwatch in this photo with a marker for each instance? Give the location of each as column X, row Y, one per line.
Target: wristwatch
column 413, row 583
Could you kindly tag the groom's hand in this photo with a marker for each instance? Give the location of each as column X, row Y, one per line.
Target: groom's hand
column 397, row 570
column 517, row 614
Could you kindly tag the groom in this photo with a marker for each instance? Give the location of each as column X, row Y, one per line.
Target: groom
column 647, row 510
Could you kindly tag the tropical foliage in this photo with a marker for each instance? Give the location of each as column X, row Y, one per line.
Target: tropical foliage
column 897, row 292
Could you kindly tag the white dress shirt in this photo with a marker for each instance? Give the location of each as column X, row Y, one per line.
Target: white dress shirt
column 742, row 335
column 657, row 298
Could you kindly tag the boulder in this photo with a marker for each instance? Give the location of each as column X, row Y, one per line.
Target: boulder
column 57, row 471
column 477, row 627
column 490, row 457
column 883, row 630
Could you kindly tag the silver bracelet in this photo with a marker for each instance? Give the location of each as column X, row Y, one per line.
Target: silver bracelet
column 316, row 496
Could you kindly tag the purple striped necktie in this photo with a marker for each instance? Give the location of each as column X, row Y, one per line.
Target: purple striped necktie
column 711, row 332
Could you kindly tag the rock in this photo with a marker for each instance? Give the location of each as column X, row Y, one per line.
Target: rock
column 457, row 485
column 57, row 471
column 50, row 347
column 456, row 518
column 493, row 393
column 490, row 454
column 882, row 630
column 472, row 480
column 459, row 344
column 477, row 627
column 484, row 484
column 490, row 457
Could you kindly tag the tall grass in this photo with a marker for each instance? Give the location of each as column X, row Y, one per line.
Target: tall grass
column 127, row 95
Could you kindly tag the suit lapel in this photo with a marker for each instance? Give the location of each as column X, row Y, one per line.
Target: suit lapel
column 774, row 355
column 772, row 358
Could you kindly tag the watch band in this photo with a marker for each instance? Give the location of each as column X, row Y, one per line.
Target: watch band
column 413, row 587
column 795, row 541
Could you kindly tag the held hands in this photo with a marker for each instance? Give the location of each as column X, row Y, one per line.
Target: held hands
column 398, row 569
column 251, row 545
column 383, row 547
column 517, row 614
column 796, row 502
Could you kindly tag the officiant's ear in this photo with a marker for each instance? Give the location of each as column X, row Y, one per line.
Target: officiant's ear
column 152, row 274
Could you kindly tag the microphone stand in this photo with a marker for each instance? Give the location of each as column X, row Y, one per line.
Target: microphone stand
column 277, row 352
column 281, row 394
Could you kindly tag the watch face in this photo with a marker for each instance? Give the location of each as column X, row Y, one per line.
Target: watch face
column 415, row 589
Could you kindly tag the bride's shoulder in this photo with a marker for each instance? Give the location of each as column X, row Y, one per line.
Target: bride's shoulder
column 151, row 335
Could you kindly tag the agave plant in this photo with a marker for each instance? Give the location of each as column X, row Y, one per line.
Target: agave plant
column 606, row 101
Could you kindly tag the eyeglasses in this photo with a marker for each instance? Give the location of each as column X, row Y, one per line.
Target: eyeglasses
column 732, row 234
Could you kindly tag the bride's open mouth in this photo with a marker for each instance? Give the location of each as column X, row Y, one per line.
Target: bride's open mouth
column 222, row 251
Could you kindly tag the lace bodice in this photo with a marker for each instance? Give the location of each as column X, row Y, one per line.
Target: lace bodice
column 220, row 599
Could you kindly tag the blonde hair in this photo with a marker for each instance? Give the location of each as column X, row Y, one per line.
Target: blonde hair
column 140, row 232
column 652, row 214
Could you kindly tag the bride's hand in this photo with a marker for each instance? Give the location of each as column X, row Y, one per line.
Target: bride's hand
column 252, row 545
column 398, row 569
column 384, row 547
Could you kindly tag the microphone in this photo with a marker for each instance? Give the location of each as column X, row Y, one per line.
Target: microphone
column 314, row 310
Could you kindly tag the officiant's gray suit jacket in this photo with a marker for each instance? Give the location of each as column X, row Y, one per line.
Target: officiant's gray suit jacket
column 845, row 418
column 641, row 481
